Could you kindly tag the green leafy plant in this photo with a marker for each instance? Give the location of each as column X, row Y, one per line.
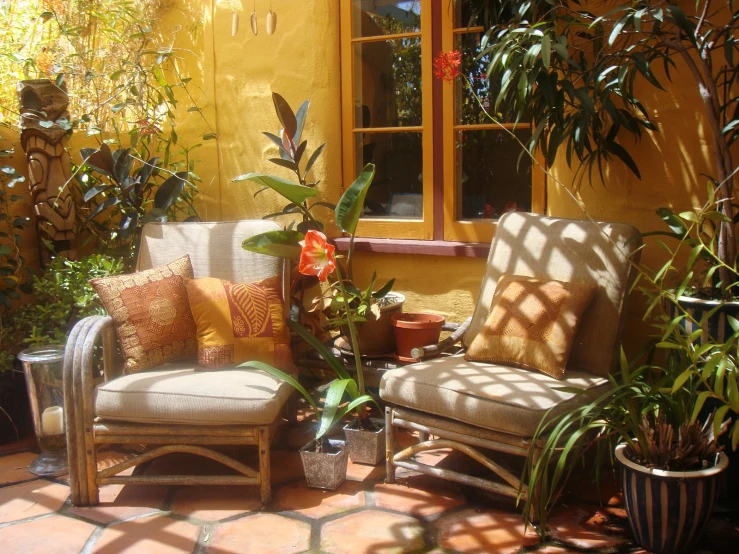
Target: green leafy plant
column 63, row 296
column 574, row 72
column 648, row 407
column 131, row 194
column 293, row 151
column 12, row 270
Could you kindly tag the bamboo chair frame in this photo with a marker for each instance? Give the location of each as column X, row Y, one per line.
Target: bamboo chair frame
column 85, row 432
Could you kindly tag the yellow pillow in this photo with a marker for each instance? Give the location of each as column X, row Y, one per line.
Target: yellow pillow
column 532, row 324
column 151, row 314
column 239, row 322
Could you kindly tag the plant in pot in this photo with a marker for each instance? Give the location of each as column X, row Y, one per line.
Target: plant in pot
column 370, row 306
column 669, row 458
column 324, row 461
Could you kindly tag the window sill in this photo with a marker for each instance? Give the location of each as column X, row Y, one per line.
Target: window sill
column 414, row 247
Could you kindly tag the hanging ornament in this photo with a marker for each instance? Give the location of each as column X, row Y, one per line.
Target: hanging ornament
column 232, row 5
column 253, row 18
column 271, row 20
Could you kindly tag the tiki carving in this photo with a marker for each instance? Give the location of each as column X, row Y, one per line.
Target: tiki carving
column 41, row 103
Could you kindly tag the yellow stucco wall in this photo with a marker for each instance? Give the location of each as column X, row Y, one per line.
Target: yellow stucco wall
column 235, row 76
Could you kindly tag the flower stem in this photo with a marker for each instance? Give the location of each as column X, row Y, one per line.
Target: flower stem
column 353, row 336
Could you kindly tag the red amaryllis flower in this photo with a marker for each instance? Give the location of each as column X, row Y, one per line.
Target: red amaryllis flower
column 446, row 65
column 317, row 256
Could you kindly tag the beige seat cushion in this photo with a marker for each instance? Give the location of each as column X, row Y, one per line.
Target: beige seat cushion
column 497, row 397
column 183, row 395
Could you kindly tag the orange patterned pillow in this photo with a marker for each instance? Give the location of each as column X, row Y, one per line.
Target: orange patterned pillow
column 151, row 314
column 239, row 322
column 532, row 324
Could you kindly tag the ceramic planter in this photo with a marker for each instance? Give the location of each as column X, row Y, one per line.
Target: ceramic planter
column 366, row 447
column 325, row 470
column 376, row 336
column 668, row 510
column 414, row 331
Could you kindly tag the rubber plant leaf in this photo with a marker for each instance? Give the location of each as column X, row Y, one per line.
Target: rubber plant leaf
column 169, row 190
column 100, row 160
column 283, row 244
column 285, row 377
column 297, row 194
column 300, row 117
column 286, row 115
column 350, row 205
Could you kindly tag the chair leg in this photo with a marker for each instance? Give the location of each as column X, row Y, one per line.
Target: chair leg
column 265, row 485
column 423, row 436
column 389, row 446
column 291, row 408
column 536, row 493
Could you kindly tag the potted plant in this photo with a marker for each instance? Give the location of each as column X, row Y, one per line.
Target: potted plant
column 347, row 304
column 324, row 461
column 649, row 419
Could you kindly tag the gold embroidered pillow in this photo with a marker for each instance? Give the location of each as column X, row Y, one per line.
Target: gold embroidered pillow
column 151, row 314
column 239, row 322
column 532, row 324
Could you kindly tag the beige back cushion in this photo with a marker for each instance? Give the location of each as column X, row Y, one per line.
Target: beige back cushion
column 567, row 250
column 214, row 248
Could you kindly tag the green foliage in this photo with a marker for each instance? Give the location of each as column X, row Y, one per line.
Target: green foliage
column 63, row 296
column 575, row 72
column 129, row 193
column 643, row 400
column 292, row 154
column 13, row 276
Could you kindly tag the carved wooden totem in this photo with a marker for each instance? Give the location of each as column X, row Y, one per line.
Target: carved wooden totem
column 42, row 105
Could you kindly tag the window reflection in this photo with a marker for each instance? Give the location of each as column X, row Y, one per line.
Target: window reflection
column 490, row 177
column 388, row 83
column 397, row 189
column 384, row 17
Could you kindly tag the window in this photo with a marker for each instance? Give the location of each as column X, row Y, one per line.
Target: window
column 443, row 170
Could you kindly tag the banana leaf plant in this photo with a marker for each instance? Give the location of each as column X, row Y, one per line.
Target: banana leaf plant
column 131, row 193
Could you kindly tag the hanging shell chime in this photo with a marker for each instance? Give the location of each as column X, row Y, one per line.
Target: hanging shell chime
column 253, row 18
column 271, row 21
column 234, row 23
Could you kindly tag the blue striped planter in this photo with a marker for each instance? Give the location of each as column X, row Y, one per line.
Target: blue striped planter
column 668, row 510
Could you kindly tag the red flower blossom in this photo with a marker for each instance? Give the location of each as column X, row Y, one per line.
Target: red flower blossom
column 446, row 65
column 510, row 207
column 317, row 256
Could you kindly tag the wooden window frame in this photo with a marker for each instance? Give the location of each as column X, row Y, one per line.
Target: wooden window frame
column 439, row 232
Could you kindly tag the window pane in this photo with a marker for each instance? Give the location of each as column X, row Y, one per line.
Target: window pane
column 387, row 83
column 489, row 176
column 384, row 17
column 397, row 190
column 468, row 109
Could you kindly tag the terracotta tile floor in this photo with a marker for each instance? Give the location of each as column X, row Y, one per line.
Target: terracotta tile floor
column 365, row 515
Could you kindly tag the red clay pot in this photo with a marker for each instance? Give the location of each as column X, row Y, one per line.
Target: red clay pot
column 414, row 331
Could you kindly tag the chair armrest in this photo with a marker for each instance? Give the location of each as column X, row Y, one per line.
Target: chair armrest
column 79, row 410
column 436, row 349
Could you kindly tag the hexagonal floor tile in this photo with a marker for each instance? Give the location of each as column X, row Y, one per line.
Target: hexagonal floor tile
column 365, row 472
column 119, row 502
column 57, row 534
column 212, row 503
column 14, row 467
column 317, row 503
column 585, row 528
column 260, row 534
column 153, row 535
column 474, row 532
column 418, row 496
column 31, row 499
column 372, row 532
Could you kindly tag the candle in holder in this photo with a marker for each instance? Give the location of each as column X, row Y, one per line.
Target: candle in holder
column 52, row 421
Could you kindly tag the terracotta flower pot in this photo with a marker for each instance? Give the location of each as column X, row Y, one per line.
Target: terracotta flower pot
column 376, row 336
column 414, row 331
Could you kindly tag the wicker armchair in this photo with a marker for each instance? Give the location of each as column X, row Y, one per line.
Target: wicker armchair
column 173, row 408
column 478, row 408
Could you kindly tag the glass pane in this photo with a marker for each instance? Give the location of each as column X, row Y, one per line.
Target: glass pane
column 372, row 18
column 397, row 189
column 468, row 109
column 473, row 14
column 387, row 83
column 490, row 178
